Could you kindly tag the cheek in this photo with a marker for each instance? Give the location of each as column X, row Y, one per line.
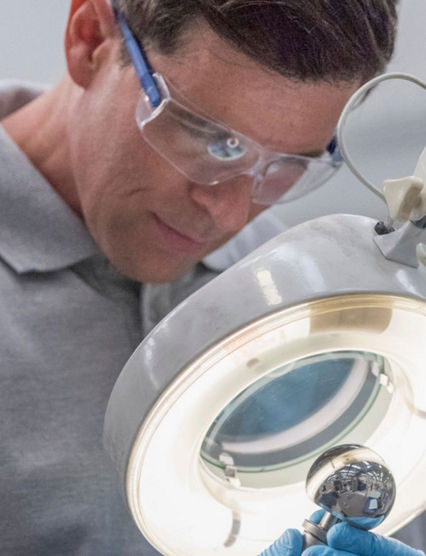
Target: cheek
column 122, row 189
column 109, row 163
column 105, row 139
column 255, row 210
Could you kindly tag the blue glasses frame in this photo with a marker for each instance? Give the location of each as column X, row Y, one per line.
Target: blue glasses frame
column 139, row 59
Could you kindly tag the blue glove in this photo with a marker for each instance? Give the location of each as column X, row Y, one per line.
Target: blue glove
column 344, row 540
column 291, row 542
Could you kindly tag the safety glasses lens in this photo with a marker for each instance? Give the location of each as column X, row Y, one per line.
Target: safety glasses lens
column 204, row 151
column 208, row 153
column 291, row 178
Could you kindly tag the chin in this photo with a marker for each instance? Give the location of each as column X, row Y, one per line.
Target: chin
column 153, row 272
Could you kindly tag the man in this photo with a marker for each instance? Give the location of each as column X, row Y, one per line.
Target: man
column 91, row 208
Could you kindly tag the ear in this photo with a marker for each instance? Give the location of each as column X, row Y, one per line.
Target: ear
column 90, row 25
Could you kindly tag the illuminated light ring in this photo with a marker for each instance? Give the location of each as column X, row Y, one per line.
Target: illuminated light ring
column 330, row 289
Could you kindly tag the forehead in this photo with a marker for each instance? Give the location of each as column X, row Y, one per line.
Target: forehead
column 278, row 112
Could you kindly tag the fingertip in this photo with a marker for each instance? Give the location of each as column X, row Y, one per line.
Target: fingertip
column 343, row 536
column 317, row 516
column 292, row 538
column 318, row 550
column 339, row 535
column 290, row 543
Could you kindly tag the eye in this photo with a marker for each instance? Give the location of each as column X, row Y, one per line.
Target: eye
column 226, row 150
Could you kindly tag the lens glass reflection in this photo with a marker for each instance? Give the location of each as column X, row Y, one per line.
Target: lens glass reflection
column 298, row 409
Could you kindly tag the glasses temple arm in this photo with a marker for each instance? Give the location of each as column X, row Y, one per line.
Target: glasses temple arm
column 142, row 68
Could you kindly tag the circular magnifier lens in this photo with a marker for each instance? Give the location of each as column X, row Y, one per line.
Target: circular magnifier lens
column 226, row 150
column 296, row 411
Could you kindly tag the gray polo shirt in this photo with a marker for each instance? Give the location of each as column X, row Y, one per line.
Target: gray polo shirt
column 68, row 323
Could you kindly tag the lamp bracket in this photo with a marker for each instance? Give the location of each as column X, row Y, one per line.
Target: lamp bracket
column 402, row 245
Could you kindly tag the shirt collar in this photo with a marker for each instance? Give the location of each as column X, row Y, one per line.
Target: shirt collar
column 38, row 230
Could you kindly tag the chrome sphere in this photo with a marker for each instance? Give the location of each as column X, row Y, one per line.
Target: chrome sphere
column 352, row 483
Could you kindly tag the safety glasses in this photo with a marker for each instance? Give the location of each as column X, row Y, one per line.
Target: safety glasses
column 208, row 152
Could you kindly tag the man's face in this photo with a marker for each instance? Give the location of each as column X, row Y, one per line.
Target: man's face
column 151, row 221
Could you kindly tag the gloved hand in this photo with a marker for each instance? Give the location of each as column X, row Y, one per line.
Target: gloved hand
column 291, row 542
column 344, row 540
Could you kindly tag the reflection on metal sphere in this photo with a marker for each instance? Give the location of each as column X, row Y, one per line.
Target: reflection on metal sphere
column 352, row 483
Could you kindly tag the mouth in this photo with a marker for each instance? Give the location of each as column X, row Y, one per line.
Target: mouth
column 176, row 240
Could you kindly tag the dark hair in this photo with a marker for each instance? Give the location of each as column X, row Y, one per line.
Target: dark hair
column 306, row 40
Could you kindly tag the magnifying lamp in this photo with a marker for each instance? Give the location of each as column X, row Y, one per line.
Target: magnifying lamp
column 317, row 338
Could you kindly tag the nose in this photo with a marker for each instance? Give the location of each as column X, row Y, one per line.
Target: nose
column 229, row 203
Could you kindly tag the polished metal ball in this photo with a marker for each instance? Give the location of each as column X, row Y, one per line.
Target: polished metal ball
column 352, row 483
